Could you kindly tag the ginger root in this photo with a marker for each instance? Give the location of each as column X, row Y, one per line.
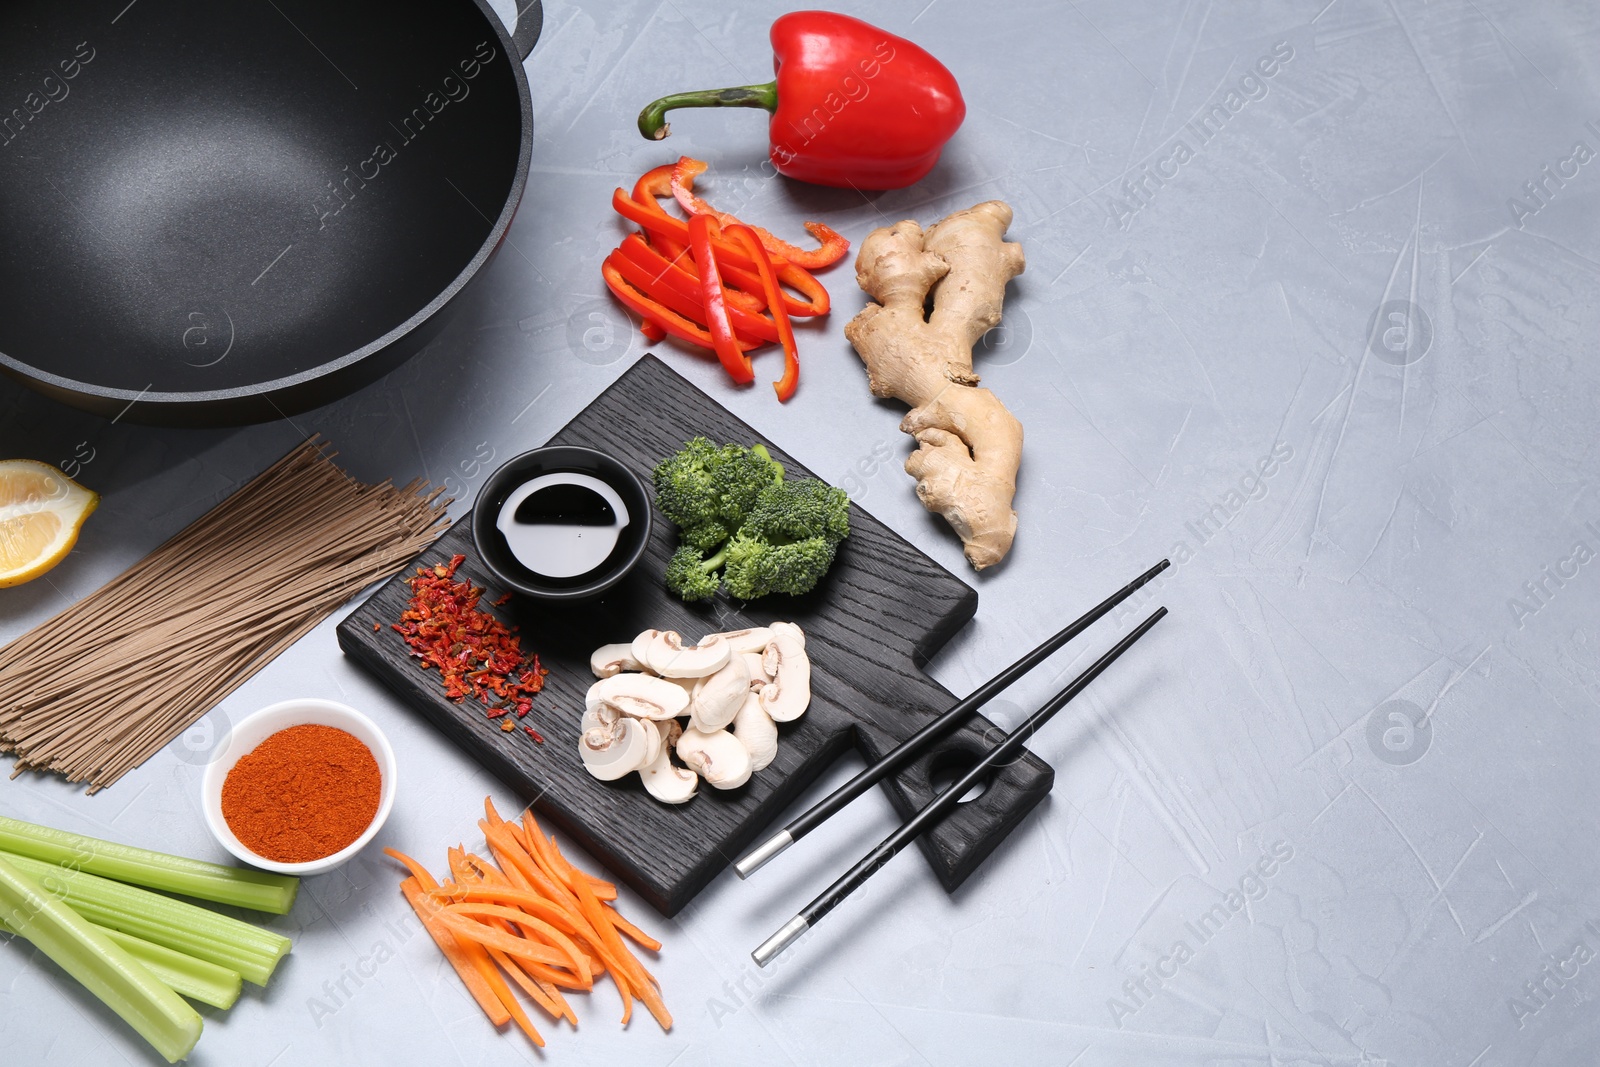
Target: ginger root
column 968, row 445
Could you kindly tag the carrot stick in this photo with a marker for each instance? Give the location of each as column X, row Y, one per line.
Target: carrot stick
column 512, row 872
column 643, row 981
column 523, row 862
column 485, row 968
column 643, row 939
column 520, row 947
column 530, row 902
column 459, row 956
column 531, row 926
column 633, row 975
column 563, row 1009
column 418, row 871
column 525, row 982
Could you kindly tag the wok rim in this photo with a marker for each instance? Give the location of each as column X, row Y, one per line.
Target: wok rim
column 265, row 390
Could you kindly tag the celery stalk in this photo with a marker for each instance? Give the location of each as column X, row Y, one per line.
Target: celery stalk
column 175, row 924
column 189, row 977
column 103, row 967
column 257, row 890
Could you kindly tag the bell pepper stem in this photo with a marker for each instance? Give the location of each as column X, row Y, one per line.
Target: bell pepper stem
column 653, row 119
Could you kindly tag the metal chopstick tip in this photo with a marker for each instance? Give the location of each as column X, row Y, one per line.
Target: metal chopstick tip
column 762, row 854
column 786, row 935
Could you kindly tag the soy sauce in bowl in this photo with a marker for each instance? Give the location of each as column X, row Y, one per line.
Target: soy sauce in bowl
column 562, row 522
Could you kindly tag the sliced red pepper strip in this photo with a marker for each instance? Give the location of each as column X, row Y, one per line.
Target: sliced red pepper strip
column 834, row 246
column 687, row 304
column 657, row 275
column 640, row 304
column 786, row 385
column 680, row 258
column 653, row 331
column 702, row 228
column 738, row 267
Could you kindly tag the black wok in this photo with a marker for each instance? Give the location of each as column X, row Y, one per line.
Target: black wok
column 215, row 213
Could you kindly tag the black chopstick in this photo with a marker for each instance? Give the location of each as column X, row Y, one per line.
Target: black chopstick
column 812, row 913
column 828, row 806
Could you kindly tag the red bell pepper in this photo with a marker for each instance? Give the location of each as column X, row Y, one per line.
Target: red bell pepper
column 852, row 105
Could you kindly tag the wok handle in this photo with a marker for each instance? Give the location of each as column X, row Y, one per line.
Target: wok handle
column 530, row 20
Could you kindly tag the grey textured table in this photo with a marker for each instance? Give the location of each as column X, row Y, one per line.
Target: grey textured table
column 1338, row 809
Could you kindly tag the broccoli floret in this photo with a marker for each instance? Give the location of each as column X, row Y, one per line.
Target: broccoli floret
column 742, row 474
column 707, row 490
column 757, row 567
column 737, row 515
column 691, row 576
column 686, row 484
column 797, row 510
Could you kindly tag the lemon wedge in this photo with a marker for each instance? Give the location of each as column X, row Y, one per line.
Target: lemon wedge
column 41, row 511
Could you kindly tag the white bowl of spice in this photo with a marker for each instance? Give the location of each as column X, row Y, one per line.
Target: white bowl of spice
column 303, row 786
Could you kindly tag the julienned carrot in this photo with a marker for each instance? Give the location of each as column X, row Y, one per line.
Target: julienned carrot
column 538, row 853
column 533, row 979
column 458, row 957
column 643, row 982
column 486, row 968
column 464, row 927
column 533, row 929
column 535, row 915
column 557, row 885
column 530, row 902
column 508, row 848
column 641, row 938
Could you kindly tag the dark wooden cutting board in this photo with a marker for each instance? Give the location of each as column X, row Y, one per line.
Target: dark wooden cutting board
column 882, row 609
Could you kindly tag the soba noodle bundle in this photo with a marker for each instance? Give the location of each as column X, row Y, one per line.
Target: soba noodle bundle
column 95, row 691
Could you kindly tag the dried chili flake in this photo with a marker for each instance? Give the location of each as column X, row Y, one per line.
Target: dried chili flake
column 477, row 655
column 533, row 734
column 507, row 725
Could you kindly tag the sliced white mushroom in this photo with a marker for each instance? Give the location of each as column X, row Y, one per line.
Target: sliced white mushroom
column 719, row 757
column 641, row 696
column 752, row 640
column 665, row 780
column 612, row 659
column 788, row 695
column 756, row 731
column 652, row 731
column 610, row 752
column 668, row 656
column 755, row 663
column 601, row 714
column 717, row 697
column 638, row 649
column 791, row 629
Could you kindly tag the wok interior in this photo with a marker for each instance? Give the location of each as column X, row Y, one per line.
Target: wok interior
column 225, row 195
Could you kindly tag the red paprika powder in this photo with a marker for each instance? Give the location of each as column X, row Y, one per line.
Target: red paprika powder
column 302, row 794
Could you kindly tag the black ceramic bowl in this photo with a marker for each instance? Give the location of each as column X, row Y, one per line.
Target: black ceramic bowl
column 496, row 553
